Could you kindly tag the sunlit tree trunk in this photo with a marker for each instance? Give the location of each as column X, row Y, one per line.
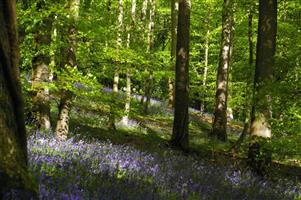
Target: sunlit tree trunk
column 128, row 72
column 62, row 126
column 173, row 49
column 112, row 114
column 119, row 44
column 13, row 148
column 219, row 127
column 266, row 46
column 180, row 125
column 40, row 75
column 143, row 10
column 150, row 40
column 205, row 69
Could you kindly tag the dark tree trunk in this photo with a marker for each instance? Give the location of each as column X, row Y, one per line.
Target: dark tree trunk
column 180, row 126
column 261, row 112
column 13, row 149
column 266, row 46
column 219, row 127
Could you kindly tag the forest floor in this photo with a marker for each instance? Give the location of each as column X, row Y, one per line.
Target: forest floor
column 136, row 162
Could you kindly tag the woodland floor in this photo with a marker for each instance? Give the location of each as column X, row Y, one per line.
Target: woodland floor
column 136, row 161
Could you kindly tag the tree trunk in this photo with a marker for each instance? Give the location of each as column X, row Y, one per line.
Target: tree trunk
column 251, row 61
column 266, row 46
column 150, row 40
column 40, row 76
column 205, row 70
column 62, row 126
column 41, row 94
column 261, row 112
column 173, row 50
column 219, row 127
column 148, row 91
column 180, row 125
column 119, row 45
column 13, row 148
column 112, row 115
column 128, row 73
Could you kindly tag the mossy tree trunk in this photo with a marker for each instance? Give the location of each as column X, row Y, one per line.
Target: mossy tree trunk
column 13, row 148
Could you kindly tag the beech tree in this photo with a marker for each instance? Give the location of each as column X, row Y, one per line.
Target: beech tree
column 13, row 148
column 180, row 124
column 69, row 60
column 41, row 72
column 173, row 49
column 266, row 47
column 219, row 127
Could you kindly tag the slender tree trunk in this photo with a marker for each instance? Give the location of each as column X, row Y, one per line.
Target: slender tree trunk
column 150, row 40
column 148, row 91
column 205, row 70
column 128, row 72
column 119, row 44
column 62, row 126
column 13, row 148
column 246, row 127
column 173, row 50
column 180, row 126
column 251, row 61
column 266, row 46
column 219, row 127
column 143, row 10
column 113, row 110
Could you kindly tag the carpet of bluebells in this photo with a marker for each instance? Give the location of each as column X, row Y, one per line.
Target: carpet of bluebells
column 91, row 169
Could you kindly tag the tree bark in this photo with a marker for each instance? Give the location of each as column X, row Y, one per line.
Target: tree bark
column 13, row 148
column 173, row 50
column 112, row 115
column 219, row 127
column 180, row 125
column 205, row 70
column 150, row 40
column 40, row 75
column 62, row 126
column 128, row 72
column 266, row 47
column 259, row 158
